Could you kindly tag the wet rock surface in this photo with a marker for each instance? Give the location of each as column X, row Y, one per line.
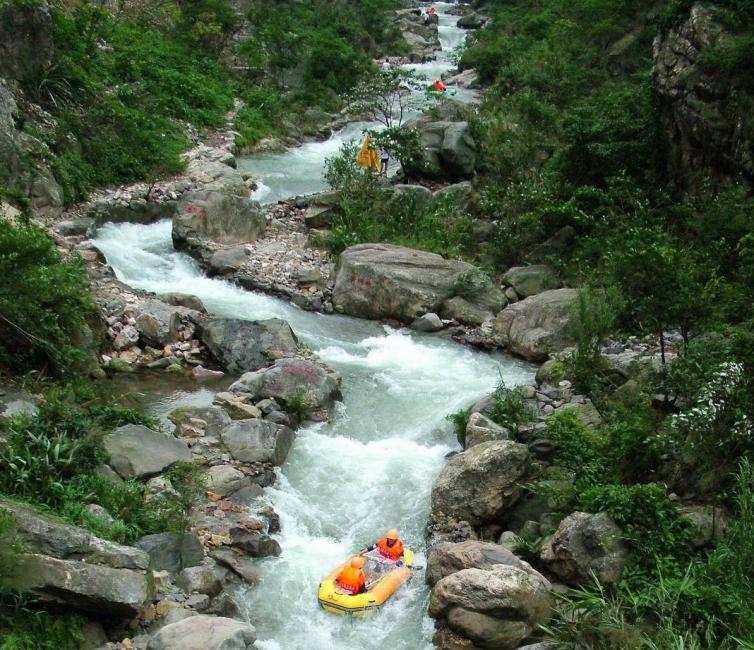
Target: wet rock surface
column 241, row 345
column 478, row 484
column 138, row 452
column 381, row 281
column 496, row 608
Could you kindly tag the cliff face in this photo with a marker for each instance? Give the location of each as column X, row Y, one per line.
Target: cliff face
column 707, row 134
column 26, row 47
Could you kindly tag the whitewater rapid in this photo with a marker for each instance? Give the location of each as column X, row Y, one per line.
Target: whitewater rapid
column 372, row 467
column 345, row 482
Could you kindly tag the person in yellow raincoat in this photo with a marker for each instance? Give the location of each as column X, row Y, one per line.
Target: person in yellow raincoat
column 367, row 156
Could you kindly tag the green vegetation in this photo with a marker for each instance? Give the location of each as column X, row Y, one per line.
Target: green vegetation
column 368, row 211
column 318, row 49
column 43, row 328
column 23, row 627
column 121, row 86
column 572, row 153
column 703, row 603
column 509, row 408
column 50, row 461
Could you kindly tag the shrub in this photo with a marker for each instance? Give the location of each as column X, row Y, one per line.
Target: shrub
column 299, row 405
column 651, row 524
column 509, row 408
column 41, row 328
column 460, row 420
column 368, row 212
column 49, row 461
column 595, row 317
column 24, row 626
column 579, row 448
column 718, row 428
column 175, row 509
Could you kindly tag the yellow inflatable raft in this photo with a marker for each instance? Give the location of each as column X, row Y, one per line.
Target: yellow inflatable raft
column 383, row 580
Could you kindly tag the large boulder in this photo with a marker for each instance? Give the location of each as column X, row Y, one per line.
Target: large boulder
column 481, row 429
column 449, row 148
column 460, row 309
column 253, row 441
column 531, row 280
column 471, row 21
column 586, row 546
column 243, row 345
column 172, row 551
column 44, row 534
column 190, row 420
column 16, row 401
column 138, row 452
column 707, row 523
column 254, row 542
column 538, row 326
column 224, row 480
column 497, row 608
column 459, row 194
column 447, row 558
column 160, row 323
column 642, row 366
column 386, row 281
column 216, row 216
column 89, row 587
column 227, row 261
column 187, row 300
column 292, row 380
column 479, row 484
column 70, row 565
column 204, row 633
column 46, row 194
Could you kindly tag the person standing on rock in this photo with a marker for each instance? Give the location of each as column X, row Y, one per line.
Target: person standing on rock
column 384, row 160
column 386, row 67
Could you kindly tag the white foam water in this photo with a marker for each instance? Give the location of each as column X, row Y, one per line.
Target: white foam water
column 372, row 467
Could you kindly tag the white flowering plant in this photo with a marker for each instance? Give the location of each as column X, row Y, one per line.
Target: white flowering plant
column 717, row 426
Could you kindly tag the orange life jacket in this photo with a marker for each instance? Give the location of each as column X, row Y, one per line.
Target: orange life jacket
column 351, row 579
column 439, row 85
column 393, row 552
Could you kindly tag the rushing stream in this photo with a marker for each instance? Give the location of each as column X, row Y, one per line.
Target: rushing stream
column 300, row 170
column 371, row 468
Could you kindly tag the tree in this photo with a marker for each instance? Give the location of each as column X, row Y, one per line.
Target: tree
column 659, row 277
column 402, row 143
column 387, row 97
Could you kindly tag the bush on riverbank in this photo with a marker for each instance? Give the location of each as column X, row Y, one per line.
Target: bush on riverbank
column 44, row 301
column 369, row 211
column 50, row 461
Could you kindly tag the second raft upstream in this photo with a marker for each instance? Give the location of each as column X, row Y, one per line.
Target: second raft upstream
column 383, row 580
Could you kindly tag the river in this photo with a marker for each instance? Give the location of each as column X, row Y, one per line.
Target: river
column 347, row 481
column 300, row 170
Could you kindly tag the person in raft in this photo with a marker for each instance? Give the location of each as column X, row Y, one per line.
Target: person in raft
column 352, row 579
column 390, row 547
column 439, row 86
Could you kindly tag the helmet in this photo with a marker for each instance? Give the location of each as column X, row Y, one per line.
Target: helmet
column 392, row 534
column 357, row 562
